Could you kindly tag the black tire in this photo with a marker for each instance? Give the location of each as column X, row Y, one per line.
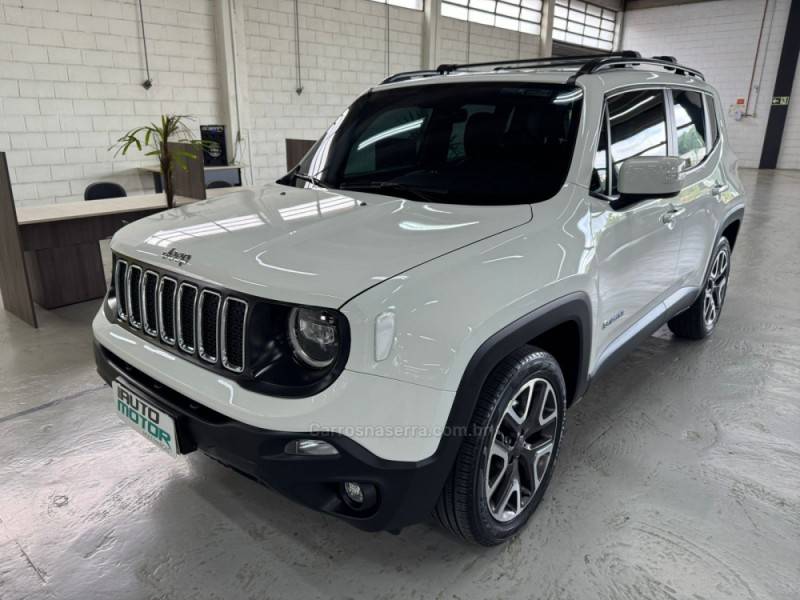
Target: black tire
column 463, row 507
column 693, row 323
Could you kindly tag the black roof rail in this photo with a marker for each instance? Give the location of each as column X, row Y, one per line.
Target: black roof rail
column 586, row 64
column 406, row 75
column 524, row 63
column 665, row 62
column 520, row 63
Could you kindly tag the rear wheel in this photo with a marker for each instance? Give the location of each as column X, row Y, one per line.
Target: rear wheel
column 699, row 320
column 505, row 464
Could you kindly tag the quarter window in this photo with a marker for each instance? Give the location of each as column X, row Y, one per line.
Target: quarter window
column 690, row 125
column 638, row 127
column 712, row 119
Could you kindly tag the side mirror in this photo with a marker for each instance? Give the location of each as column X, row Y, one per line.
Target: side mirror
column 643, row 177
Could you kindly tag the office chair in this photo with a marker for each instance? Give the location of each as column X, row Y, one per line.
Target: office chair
column 103, row 189
column 218, row 184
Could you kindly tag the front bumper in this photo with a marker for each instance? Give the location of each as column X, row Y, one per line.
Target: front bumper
column 394, row 420
column 406, row 491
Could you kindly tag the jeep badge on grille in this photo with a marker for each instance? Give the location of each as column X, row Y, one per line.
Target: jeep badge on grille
column 177, row 257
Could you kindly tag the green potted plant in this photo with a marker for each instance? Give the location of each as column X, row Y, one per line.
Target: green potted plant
column 154, row 139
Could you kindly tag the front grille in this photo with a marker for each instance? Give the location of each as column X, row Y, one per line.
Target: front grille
column 207, row 324
column 167, row 291
column 200, row 321
column 234, row 315
column 149, row 301
column 133, row 292
column 187, row 304
column 120, row 275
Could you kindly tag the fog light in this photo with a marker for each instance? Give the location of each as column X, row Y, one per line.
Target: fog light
column 359, row 497
column 310, row 448
column 354, row 492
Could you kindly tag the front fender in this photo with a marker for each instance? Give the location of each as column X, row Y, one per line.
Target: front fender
column 447, row 308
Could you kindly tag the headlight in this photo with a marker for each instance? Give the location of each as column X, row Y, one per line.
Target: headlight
column 314, row 336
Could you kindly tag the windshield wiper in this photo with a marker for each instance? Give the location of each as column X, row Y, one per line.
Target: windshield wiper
column 309, row 178
column 393, row 186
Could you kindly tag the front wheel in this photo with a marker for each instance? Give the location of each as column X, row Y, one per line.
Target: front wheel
column 505, row 463
column 700, row 319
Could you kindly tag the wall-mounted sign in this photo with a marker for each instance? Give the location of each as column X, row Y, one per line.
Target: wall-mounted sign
column 780, row 101
column 740, row 101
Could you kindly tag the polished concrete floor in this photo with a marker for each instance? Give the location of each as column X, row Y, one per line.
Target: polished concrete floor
column 679, row 478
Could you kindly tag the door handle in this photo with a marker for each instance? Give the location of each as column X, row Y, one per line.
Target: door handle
column 718, row 189
column 669, row 217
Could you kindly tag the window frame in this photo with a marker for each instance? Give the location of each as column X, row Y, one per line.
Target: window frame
column 606, row 120
column 672, row 134
column 605, row 128
column 709, row 144
column 392, row 3
column 467, row 5
column 711, row 115
column 586, row 12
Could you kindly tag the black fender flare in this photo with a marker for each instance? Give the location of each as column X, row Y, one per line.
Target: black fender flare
column 733, row 216
column 575, row 307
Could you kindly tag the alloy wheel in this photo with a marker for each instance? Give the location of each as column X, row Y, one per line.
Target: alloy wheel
column 521, row 449
column 715, row 288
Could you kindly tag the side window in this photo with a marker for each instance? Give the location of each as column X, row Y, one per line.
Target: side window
column 599, row 183
column 638, row 128
column 690, row 125
column 712, row 119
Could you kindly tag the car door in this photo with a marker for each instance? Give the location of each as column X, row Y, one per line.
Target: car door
column 636, row 244
column 695, row 139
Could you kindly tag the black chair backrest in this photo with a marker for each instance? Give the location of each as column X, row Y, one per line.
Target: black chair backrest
column 104, row 189
column 218, row 184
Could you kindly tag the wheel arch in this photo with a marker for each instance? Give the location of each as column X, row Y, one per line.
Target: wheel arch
column 730, row 226
column 561, row 327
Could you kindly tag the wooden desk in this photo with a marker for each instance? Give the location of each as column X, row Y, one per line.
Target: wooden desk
column 62, row 261
column 229, row 173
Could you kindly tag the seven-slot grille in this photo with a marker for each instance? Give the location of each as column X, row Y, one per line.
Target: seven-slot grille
column 198, row 321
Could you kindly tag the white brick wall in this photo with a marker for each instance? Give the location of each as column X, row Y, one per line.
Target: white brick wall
column 70, row 74
column 343, row 51
column 69, row 86
column 719, row 38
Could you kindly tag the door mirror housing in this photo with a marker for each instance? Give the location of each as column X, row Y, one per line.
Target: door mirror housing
column 644, row 177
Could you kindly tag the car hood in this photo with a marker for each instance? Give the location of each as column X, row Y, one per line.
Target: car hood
column 307, row 246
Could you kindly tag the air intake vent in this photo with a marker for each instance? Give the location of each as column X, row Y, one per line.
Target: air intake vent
column 167, row 290
column 120, row 286
column 207, row 325
column 134, row 295
column 234, row 313
column 149, row 300
column 187, row 302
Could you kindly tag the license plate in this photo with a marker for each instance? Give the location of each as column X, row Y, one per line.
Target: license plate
column 144, row 417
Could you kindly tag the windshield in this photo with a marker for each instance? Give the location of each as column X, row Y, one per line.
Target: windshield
column 461, row 143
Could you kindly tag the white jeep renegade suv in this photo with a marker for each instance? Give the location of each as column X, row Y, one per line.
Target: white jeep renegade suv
column 397, row 327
